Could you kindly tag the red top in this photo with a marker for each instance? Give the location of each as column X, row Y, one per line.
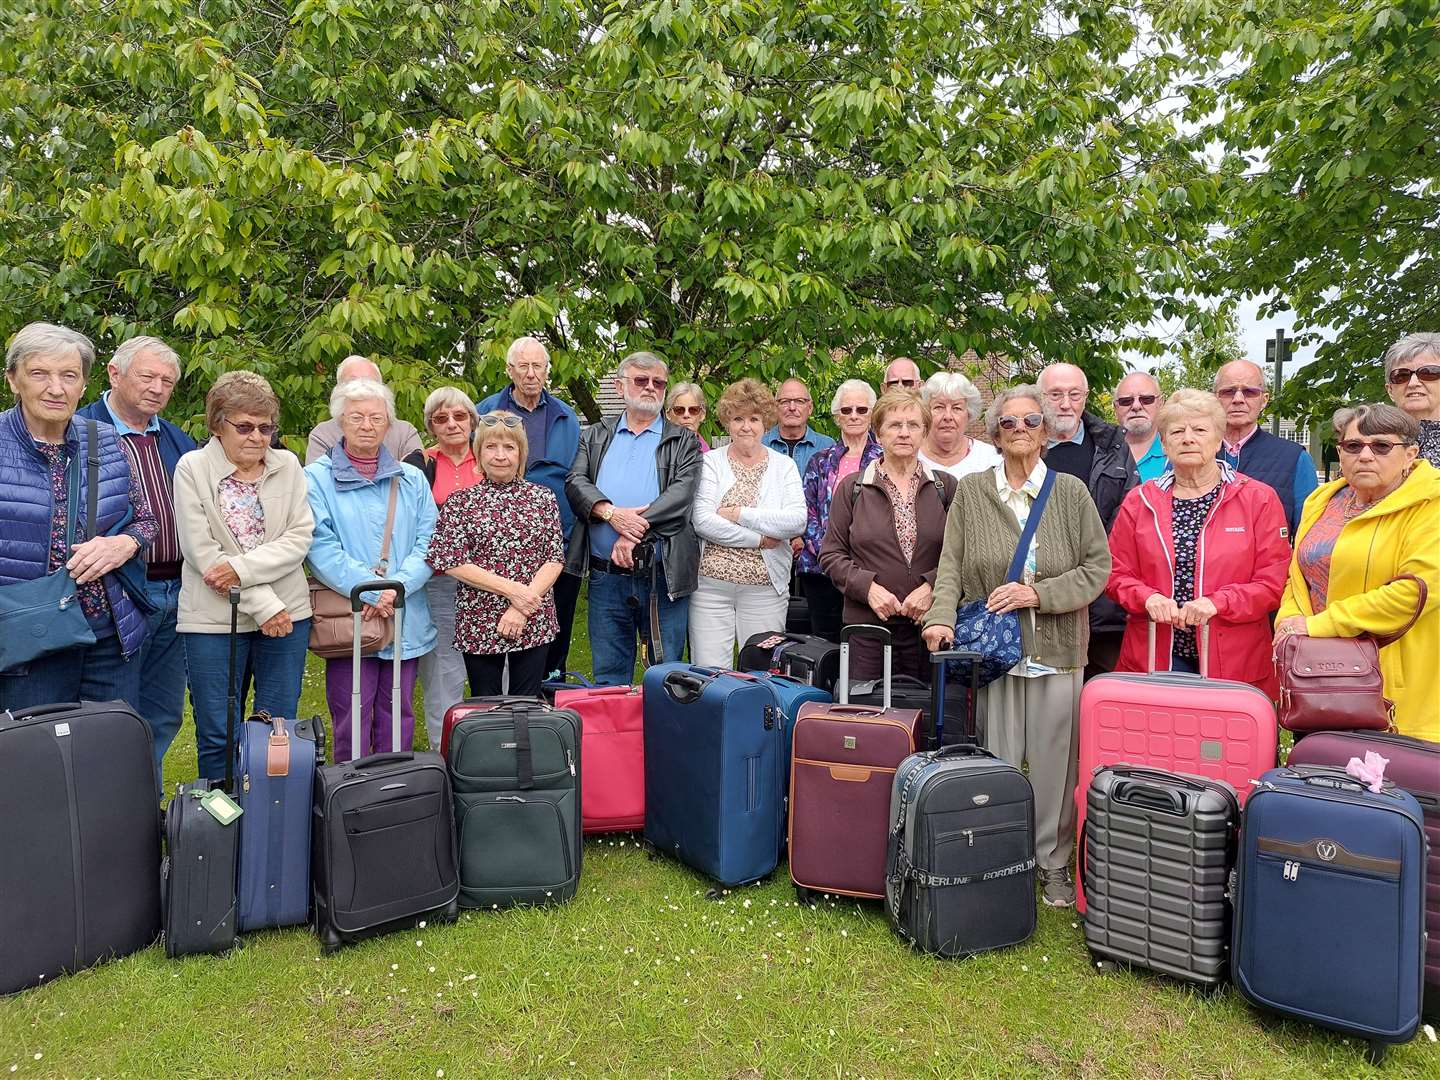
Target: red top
column 449, row 477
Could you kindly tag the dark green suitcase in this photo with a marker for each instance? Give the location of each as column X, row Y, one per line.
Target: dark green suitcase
column 515, row 771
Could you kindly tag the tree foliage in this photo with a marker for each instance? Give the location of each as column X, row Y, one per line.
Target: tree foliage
column 743, row 186
column 1197, row 355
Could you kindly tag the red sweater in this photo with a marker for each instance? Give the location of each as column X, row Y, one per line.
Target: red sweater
column 1242, row 559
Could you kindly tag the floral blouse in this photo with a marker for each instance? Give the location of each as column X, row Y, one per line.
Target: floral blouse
column 739, row 566
column 1430, row 441
column 1188, row 517
column 1318, row 544
column 819, row 484
column 244, row 515
column 511, row 530
column 903, row 503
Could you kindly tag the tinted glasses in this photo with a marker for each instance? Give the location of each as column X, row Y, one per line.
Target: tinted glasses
column 1249, row 393
column 854, row 410
column 510, row 420
column 1426, row 373
column 248, row 428
column 1379, row 447
column 1130, row 399
column 1030, row 420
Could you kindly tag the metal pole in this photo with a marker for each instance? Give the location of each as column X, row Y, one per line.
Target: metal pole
column 1277, row 352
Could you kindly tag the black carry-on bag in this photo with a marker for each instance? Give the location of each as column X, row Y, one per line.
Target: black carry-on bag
column 384, row 825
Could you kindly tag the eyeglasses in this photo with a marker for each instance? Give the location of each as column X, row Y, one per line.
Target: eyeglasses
column 1250, row 393
column 247, row 428
column 890, row 384
column 688, row 410
column 1130, row 399
column 1066, row 395
column 491, row 419
column 644, row 382
column 366, row 419
column 1030, row 420
column 529, row 369
column 1428, row 373
column 854, row 410
column 1380, row 447
column 794, row 402
column 444, row 418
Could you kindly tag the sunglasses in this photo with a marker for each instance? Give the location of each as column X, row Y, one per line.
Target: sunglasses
column 1380, row 447
column 688, row 410
column 460, row 415
column 1428, row 373
column 1130, row 399
column 644, row 382
column 854, row 410
column 491, row 419
column 1250, row 393
column 890, row 384
column 1030, row 420
column 247, row 428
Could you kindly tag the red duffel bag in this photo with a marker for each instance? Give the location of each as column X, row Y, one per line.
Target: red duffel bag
column 612, row 746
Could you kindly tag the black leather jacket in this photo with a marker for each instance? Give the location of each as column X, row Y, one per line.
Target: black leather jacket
column 1112, row 474
column 677, row 462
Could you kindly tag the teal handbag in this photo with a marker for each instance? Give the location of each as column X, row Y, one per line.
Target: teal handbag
column 43, row 615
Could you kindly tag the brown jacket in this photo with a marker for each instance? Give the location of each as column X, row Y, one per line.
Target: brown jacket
column 861, row 547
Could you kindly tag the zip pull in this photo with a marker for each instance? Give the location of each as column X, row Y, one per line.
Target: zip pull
column 509, row 798
column 570, row 760
column 969, row 837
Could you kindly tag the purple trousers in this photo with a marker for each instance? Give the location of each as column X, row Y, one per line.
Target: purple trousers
column 376, row 678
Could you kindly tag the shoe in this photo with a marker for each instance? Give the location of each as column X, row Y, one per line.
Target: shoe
column 1056, row 888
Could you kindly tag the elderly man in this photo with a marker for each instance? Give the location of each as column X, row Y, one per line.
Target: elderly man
column 1412, row 376
column 1084, row 446
column 553, row 433
column 631, row 487
column 1137, row 400
column 143, row 374
column 793, row 435
column 402, row 440
column 902, row 374
column 1281, row 463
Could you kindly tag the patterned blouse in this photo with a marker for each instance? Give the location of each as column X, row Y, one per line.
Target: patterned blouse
column 1430, row 441
column 819, row 484
column 244, row 515
column 739, row 566
column 1188, row 517
column 1318, row 544
column 903, row 503
column 142, row 528
column 512, row 530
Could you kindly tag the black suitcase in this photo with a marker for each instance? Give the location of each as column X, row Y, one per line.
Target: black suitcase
column 515, row 770
column 1156, row 859
column 955, row 712
column 815, row 661
column 79, row 839
column 384, row 826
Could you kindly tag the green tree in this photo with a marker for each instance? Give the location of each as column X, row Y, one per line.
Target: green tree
column 1198, row 354
column 745, row 187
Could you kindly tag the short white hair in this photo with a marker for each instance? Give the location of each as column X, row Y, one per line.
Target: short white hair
column 1048, row 368
column 1130, row 375
column 128, row 351
column 361, row 390
column 448, row 397
column 645, row 361
column 951, row 384
column 353, row 358
column 520, row 344
column 852, row 386
column 47, row 339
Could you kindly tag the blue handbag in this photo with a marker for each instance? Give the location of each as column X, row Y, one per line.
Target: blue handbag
column 996, row 636
column 43, row 615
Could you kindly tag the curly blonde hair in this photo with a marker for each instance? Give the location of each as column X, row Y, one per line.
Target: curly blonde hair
column 240, row 392
column 747, row 398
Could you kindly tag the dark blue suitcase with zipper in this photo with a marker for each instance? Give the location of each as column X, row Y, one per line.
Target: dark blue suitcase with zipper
column 791, row 693
column 714, row 781
column 1330, row 904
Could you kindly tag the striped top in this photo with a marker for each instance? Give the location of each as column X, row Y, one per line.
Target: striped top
column 145, row 463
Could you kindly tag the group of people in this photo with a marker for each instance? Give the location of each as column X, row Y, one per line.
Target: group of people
column 1185, row 512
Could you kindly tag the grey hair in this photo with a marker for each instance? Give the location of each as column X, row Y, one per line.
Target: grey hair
column 1025, row 391
column 520, row 343
column 951, row 384
column 1129, row 374
column 127, row 351
column 47, row 339
column 1412, row 347
column 643, row 360
column 443, row 396
column 852, row 386
column 1377, row 420
column 1040, row 379
column 680, row 389
column 352, row 358
column 361, row 390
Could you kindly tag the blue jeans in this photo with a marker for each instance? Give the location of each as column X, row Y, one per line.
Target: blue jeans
column 620, row 610
column 278, row 665
column 162, row 668
column 85, row 673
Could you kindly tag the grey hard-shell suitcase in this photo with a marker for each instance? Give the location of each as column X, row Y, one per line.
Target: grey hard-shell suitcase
column 1157, row 854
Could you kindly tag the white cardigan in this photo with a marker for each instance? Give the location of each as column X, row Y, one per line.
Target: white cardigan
column 779, row 511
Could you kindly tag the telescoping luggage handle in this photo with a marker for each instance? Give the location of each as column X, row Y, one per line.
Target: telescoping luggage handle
column 356, row 604
column 938, row 670
column 1204, row 642
column 230, row 693
column 863, row 630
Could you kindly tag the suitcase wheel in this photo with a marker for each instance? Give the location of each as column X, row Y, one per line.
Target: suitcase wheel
column 1375, row 1052
column 651, row 851
column 451, row 911
column 330, row 940
column 806, row 897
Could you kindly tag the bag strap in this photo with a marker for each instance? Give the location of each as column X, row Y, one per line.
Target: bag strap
column 382, row 567
column 1032, row 523
column 92, row 477
column 72, row 502
column 1390, row 639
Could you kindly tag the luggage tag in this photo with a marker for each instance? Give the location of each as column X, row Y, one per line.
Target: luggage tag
column 220, row 806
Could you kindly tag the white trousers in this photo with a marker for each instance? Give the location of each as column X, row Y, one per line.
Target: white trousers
column 722, row 613
column 442, row 669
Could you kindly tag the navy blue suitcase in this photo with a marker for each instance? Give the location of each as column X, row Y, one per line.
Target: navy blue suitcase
column 790, row 694
column 714, row 782
column 1330, row 903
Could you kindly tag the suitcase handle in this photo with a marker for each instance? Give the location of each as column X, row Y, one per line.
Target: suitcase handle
column 863, row 630
column 938, row 674
column 1150, row 649
column 1139, row 793
column 962, row 750
column 851, row 710
column 684, row 687
column 382, row 759
column 1137, row 773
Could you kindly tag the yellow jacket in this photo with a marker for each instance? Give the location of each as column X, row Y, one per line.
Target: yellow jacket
column 1398, row 535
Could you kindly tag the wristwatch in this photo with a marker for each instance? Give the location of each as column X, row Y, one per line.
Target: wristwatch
column 607, row 513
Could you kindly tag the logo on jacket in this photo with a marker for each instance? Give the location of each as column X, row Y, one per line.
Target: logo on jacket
column 1234, row 528
column 1326, row 850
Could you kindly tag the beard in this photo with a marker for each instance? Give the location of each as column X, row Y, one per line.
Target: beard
column 1138, row 425
column 1060, row 427
column 642, row 405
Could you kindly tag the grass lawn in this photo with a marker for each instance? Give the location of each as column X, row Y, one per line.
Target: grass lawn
column 641, row 975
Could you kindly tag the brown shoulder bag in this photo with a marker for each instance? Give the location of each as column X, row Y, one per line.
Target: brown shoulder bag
column 331, row 619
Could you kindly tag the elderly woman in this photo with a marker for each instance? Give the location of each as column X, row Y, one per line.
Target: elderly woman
column 887, row 524
column 501, row 541
column 46, row 532
column 1031, row 713
column 243, row 516
column 1356, row 535
column 856, row 449
column 954, row 404
column 450, row 466
column 1412, row 375
column 357, row 540
column 1200, row 544
column 686, row 407
column 748, row 508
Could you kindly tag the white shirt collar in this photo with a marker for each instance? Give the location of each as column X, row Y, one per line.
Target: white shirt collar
column 1031, row 487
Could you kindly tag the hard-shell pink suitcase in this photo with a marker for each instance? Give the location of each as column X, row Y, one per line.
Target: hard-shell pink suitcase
column 1176, row 722
column 612, row 741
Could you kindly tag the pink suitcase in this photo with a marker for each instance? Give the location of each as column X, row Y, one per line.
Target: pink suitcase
column 841, row 773
column 1414, row 766
column 1176, row 722
column 612, row 746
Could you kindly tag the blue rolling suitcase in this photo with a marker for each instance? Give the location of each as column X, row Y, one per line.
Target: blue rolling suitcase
column 1330, row 904
column 790, row 694
column 714, row 782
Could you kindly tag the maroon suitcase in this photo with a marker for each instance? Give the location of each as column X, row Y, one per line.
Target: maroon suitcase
column 841, row 772
column 1414, row 766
